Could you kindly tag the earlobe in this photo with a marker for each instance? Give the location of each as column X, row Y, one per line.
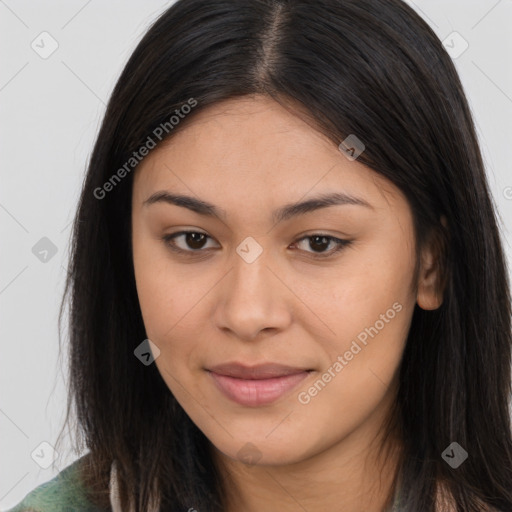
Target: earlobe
column 430, row 295
column 430, row 283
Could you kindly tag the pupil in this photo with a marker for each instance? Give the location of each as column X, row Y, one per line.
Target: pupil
column 194, row 240
column 321, row 240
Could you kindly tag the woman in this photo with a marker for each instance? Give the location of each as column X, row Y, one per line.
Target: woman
column 287, row 285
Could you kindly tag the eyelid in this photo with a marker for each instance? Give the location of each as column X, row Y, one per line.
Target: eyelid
column 168, row 239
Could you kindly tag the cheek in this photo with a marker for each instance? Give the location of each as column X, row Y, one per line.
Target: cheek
column 159, row 288
column 171, row 299
column 369, row 308
column 162, row 293
column 375, row 300
column 156, row 298
column 363, row 356
column 362, row 359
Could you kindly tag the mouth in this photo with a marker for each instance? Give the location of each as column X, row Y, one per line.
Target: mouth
column 253, row 386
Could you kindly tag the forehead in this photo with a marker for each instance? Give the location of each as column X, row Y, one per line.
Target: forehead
column 252, row 151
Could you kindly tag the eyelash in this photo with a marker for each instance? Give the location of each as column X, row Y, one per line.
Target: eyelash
column 169, row 241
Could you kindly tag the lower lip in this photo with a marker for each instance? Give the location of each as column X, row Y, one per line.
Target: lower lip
column 252, row 393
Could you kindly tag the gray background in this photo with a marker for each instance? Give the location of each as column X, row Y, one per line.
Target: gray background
column 51, row 109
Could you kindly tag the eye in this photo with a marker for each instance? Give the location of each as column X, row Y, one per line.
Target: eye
column 195, row 242
column 319, row 242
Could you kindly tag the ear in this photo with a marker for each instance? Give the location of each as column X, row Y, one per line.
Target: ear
column 430, row 286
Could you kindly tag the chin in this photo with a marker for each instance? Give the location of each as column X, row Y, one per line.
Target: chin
column 262, row 451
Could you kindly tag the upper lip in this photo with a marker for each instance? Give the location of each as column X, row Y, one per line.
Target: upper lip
column 256, row 372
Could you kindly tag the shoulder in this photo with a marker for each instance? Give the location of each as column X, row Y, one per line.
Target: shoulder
column 63, row 493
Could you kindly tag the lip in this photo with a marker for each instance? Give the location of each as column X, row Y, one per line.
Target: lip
column 254, row 386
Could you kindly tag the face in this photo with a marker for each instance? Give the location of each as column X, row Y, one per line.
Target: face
column 280, row 329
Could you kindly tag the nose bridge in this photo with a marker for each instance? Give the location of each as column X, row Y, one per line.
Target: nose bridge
column 251, row 277
column 252, row 298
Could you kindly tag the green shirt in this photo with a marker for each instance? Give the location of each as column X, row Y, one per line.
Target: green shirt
column 64, row 493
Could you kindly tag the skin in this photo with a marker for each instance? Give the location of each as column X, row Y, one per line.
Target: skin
column 250, row 156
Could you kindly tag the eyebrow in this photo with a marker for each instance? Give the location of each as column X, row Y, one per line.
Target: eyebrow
column 284, row 213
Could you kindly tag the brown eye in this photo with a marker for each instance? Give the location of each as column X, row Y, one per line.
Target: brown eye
column 319, row 243
column 195, row 240
column 190, row 241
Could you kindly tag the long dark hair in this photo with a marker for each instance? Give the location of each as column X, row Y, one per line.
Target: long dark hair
column 372, row 68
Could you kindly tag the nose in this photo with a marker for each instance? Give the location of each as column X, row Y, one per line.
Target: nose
column 252, row 298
